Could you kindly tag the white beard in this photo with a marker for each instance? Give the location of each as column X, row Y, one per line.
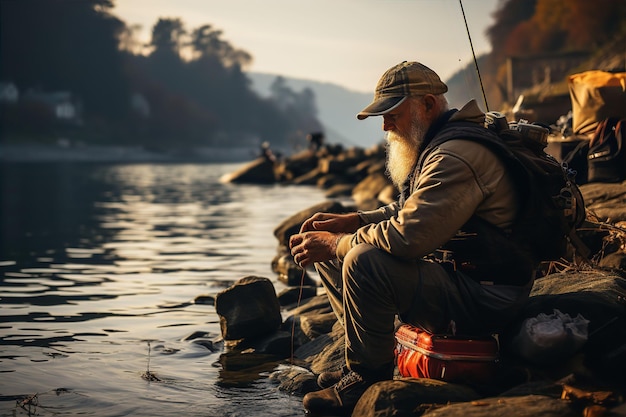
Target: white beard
column 402, row 153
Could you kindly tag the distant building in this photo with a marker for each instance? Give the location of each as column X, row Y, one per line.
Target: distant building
column 63, row 104
column 140, row 105
column 9, row 93
column 529, row 71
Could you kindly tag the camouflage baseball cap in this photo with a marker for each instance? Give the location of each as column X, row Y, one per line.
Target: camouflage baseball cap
column 399, row 82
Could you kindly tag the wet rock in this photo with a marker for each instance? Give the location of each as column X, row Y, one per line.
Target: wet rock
column 259, row 171
column 204, row 299
column 213, row 346
column 195, row 335
column 248, row 309
column 277, row 343
column 238, row 360
column 295, row 380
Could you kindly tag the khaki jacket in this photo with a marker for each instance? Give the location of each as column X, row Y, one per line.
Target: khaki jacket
column 458, row 179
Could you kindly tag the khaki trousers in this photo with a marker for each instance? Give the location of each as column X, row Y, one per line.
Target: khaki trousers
column 370, row 288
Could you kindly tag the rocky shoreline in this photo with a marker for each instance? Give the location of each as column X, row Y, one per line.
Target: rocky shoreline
column 296, row 332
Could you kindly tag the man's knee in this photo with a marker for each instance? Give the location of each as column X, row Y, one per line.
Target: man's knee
column 361, row 253
column 365, row 260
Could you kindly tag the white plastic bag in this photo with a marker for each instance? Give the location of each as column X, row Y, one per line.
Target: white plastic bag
column 550, row 338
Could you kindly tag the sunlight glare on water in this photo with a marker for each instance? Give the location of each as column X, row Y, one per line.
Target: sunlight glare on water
column 100, row 266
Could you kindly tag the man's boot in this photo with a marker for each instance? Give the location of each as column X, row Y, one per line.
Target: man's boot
column 330, row 378
column 341, row 397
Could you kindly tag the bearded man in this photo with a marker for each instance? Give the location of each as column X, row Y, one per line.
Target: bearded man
column 380, row 265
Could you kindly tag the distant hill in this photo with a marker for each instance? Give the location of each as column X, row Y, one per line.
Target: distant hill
column 338, row 106
column 337, row 109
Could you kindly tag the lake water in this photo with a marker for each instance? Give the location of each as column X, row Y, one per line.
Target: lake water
column 99, row 267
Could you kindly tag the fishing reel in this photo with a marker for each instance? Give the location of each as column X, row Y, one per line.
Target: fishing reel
column 532, row 132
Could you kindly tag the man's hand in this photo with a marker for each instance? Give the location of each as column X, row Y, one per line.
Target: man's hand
column 330, row 222
column 311, row 247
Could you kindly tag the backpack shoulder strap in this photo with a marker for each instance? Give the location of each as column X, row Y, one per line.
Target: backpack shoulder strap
column 477, row 133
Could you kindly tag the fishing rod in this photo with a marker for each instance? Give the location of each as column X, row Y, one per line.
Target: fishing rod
column 474, row 55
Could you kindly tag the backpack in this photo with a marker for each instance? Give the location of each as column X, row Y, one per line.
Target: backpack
column 552, row 206
column 606, row 157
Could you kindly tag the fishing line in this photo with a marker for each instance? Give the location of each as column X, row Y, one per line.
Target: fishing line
column 474, row 55
column 293, row 321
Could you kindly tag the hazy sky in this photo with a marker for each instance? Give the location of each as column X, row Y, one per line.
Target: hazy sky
column 346, row 42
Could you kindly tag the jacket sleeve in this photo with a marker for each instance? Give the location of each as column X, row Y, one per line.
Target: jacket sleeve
column 447, row 193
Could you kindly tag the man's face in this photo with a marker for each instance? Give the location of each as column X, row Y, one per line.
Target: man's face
column 406, row 127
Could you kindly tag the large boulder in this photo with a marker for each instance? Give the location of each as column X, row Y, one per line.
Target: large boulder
column 404, row 397
column 248, row 309
column 259, row 171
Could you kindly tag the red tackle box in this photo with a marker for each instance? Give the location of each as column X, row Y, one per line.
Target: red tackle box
column 420, row 354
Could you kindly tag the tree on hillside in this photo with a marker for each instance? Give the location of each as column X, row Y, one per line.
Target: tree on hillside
column 190, row 88
column 52, row 45
column 508, row 15
column 524, row 28
column 207, row 42
column 168, row 36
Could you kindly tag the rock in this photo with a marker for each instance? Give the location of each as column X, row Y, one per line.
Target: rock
column 316, row 305
column 259, row 171
column 309, row 326
column 204, row 299
column 370, row 187
column 528, row 406
column 292, row 295
column 277, row 343
column 403, row 397
column 328, row 181
column 295, row 380
column 317, row 324
column 308, row 178
column 296, row 165
column 238, row 360
column 340, row 164
column 331, row 355
column 291, row 225
column 248, row 309
column 339, row 190
column 290, row 273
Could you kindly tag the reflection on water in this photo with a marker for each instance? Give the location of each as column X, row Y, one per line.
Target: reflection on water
column 99, row 262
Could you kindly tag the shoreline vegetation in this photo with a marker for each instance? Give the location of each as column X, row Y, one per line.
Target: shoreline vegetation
column 65, row 152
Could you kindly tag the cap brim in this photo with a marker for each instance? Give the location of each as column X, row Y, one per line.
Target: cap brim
column 380, row 107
